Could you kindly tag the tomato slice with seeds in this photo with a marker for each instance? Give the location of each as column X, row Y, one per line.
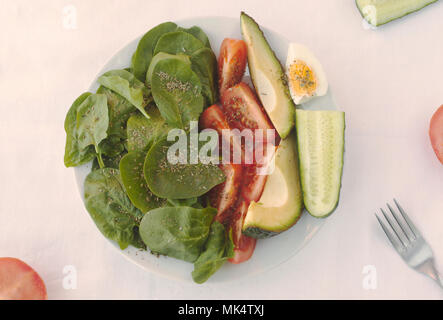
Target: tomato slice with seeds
column 255, row 175
column 244, row 111
column 254, row 184
column 18, row 281
column 224, row 196
column 436, row 133
column 231, row 63
column 214, row 118
column 240, row 110
column 244, row 246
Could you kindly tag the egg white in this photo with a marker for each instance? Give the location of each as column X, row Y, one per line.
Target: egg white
column 298, row 51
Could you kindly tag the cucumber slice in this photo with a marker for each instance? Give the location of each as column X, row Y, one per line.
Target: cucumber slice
column 320, row 139
column 378, row 12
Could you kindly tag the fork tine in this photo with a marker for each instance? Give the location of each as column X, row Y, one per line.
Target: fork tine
column 411, row 225
column 400, row 223
column 392, row 227
column 389, row 234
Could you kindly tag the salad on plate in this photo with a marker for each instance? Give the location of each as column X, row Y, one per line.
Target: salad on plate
column 197, row 155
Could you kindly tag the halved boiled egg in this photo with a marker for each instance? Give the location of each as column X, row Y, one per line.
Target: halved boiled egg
column 306, row 78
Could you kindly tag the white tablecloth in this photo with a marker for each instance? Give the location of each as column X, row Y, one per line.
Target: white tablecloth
column 388, row 81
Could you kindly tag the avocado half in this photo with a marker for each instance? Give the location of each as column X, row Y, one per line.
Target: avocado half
column 268, row 77
column 281, row 203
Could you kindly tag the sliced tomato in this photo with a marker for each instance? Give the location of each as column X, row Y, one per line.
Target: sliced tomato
column 255, row 175
column 243, row 245
column 436, row 133
column 231, row 209
column 231, row 63
column 243, row 109
column 214, row 118
column 224, row 196
column 18, row 281
column 255, row 184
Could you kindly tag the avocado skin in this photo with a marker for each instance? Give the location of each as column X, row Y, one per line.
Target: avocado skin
column 283, row 129
column 259, row 233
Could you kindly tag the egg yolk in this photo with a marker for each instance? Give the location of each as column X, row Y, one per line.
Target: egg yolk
column 302, row 79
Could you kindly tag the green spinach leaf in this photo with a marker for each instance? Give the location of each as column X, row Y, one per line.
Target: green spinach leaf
column 120, row 110
column 177, row 92
column 145, row 48
column 74, row 154
column 111, row 209
column 112, row 146
column 180, row 180
column 178, row 232
column 204, row 64
column 128, row 86
column 109, row 162
column 191, row 202
column 92, row 122
column 178, row 42
column 160, row 56
column 142, row 132
column 198, row 33
column 131, row 171
column 218, row 248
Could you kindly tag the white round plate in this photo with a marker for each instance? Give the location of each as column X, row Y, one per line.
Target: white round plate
column 269, row 253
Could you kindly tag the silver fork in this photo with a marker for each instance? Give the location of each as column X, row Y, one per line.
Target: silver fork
column 409, row 243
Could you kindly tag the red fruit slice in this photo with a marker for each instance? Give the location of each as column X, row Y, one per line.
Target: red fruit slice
column 254, row 185
column 214, row 118
column 243, row 245
column 224, row 196
column 231, row 63
column 244, row 111
column 436, row 133
column 18, row 281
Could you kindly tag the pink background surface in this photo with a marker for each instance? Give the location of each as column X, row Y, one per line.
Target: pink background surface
column 387, row 81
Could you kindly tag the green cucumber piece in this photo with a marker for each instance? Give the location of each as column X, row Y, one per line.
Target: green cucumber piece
column 378, row 12
column 320, row 140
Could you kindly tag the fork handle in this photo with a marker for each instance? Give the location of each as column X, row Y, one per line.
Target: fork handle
column 429, row 269
column 439, row 279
